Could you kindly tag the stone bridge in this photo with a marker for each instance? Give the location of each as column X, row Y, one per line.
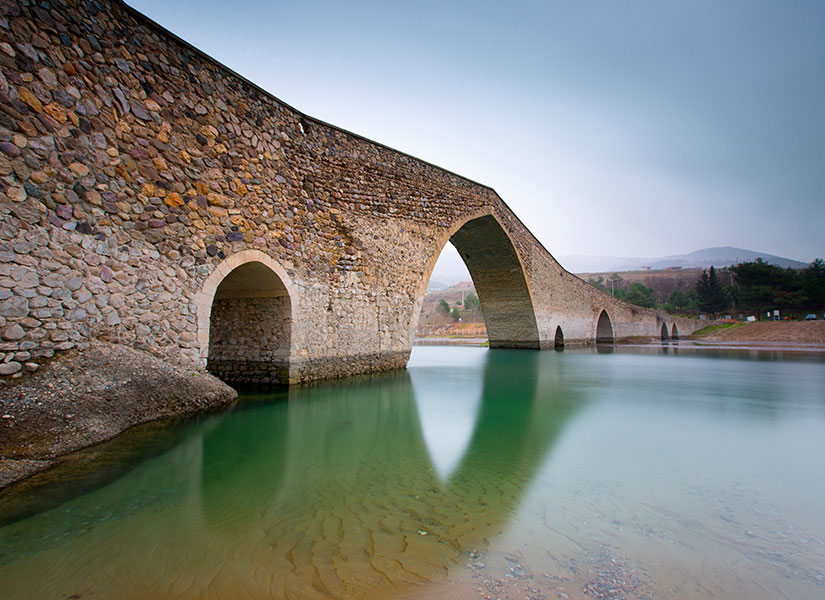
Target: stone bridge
column 155, row 198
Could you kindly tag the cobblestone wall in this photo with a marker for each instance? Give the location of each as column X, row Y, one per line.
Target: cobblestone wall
column 249, row 340
column 136, row 172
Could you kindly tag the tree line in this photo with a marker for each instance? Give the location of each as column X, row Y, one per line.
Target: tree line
column 759, row 287
column 753, row 287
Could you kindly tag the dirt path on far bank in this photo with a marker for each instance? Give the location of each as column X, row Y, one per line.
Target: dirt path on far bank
column 806, row 332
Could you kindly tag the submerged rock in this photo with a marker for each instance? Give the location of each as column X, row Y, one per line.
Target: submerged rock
column 86, row 397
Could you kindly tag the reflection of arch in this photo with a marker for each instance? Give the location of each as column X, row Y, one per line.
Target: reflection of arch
column 558, row 342
column 604, row 329
column 674, row 332
column 664, row 332
column 244, row 320
column 332, row 485
column 247, row 445
column 534, row 421
column 499, row 280
column 368, row 440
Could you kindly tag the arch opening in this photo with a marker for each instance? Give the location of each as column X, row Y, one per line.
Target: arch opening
column 483, row 291
column 604, row 329
column 499, row 280
column 558, row 342
column 250, row 327
column 674, row 332
column 664, row 334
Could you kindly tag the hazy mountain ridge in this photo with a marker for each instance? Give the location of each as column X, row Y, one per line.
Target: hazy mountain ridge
column 435, row 286
column 699, row 259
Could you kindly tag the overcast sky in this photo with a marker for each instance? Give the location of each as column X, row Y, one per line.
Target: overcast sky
column 610, row 128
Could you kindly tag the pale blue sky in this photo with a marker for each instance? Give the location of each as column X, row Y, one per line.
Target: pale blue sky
column 611, row 128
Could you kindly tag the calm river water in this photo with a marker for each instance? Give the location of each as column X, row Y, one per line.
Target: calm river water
column 474, row 474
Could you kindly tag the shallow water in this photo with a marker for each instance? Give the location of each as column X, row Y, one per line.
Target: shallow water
column 474, row 474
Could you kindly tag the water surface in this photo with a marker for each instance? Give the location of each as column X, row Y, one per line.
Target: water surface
column 474, row 474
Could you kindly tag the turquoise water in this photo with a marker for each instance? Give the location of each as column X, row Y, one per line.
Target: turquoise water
column 474, row 474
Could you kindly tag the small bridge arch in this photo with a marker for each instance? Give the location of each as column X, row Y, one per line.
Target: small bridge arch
column 664, row 333
column 245, row 320
column 604, row 329
column 499, row 279
column 674, row 332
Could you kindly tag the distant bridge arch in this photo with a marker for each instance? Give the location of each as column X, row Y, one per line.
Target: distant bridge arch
column 604, row 329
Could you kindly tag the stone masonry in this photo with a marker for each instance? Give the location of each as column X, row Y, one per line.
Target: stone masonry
column 249, row 339
column 137, row 174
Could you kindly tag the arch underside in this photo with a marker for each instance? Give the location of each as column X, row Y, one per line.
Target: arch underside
column 249, row 327
column 499, row 281
column 604, row 329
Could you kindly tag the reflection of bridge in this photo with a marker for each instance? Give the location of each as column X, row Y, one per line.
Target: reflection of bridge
column 326, row 495
column 350, row 472
column 189, row 213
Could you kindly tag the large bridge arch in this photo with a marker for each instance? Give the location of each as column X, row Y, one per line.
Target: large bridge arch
column 245, row 313
column 498, row 276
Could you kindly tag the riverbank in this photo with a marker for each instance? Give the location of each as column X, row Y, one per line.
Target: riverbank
column 795, row 336
column 791, row 336
column 450, row 341
column 803, row 332
column 86, row 397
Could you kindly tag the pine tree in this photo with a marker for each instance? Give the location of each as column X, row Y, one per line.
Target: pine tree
column 711, row 295
column 813, row 279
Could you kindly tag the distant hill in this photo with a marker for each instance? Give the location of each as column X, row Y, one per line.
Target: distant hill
column 700, row 259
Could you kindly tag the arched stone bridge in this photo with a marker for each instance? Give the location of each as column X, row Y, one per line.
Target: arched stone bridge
column 155, row 198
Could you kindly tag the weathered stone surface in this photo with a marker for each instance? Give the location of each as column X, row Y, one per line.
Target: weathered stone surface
column 10, row 368
column 9, row 149
column 29, row 98
column 14, row 306
column 139, row 111
column 78, row 169
column 14, row 332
